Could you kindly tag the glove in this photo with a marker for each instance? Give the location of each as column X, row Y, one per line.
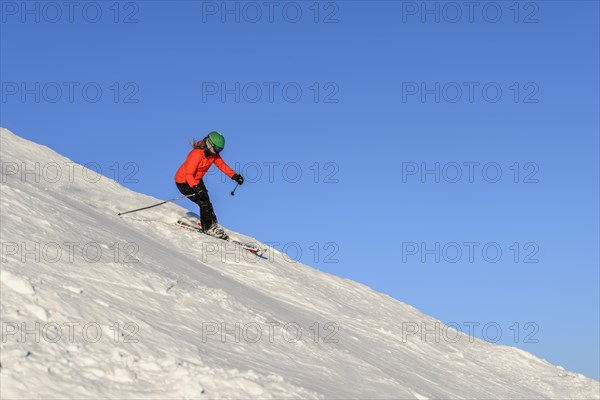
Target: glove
column 238, row 178
column 197, row 189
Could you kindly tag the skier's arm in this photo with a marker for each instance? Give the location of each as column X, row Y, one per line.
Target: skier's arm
column 222, row 165
column 191, row 166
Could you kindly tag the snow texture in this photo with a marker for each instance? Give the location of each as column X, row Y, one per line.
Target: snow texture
column 94, row 305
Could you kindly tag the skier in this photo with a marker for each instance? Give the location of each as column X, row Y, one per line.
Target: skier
column 189, row 178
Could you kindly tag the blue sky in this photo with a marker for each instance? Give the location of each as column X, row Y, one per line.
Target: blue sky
column 375, row 137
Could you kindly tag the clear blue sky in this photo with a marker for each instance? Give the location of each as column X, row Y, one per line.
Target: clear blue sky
column 388, row 89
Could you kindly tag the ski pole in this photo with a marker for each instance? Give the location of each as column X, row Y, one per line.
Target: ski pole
column 157, row 204
column 233, row 191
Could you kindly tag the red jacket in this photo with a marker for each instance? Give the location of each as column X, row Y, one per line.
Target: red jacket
column 197, row 164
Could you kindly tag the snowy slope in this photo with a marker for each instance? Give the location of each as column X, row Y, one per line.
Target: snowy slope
column 169, row 291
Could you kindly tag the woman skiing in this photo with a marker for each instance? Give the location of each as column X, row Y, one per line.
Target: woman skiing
column 189, row 178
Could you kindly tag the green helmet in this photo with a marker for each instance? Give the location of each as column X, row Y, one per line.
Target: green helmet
column 217, row 139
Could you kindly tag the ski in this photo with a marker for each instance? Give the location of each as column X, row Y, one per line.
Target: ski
column 252, row 248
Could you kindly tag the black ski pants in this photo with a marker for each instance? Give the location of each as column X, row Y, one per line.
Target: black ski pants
column 207, row 213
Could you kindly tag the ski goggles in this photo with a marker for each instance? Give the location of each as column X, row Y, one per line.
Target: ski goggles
column 212, row 146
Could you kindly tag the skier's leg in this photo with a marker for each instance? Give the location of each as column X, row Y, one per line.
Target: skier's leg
column 207, row 213
column 185, row 189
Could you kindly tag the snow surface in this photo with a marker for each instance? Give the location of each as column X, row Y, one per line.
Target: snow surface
column 169, row 290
